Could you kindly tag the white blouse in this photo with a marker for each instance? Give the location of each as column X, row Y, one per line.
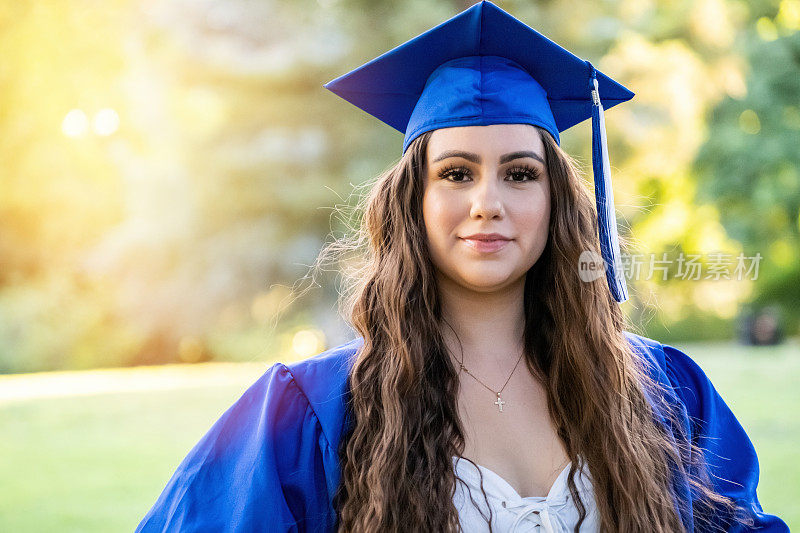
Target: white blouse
column 555, row 513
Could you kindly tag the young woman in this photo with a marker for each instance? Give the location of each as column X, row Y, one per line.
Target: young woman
column 492, row 387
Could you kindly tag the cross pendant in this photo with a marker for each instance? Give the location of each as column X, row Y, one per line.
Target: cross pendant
column 499, row 403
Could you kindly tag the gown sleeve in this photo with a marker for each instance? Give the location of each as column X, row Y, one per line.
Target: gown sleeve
column 729, row 453
column 259, row 468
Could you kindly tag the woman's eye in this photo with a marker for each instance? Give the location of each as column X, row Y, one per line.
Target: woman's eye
column 520, row 174
column 456, row 175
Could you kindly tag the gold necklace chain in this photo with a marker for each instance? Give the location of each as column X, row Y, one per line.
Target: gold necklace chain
column 499, row 402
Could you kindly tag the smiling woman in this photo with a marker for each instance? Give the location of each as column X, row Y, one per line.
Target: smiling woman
column 430, row 421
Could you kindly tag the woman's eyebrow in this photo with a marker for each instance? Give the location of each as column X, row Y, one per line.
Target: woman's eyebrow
column 475, row 158
column 469, row 156
column 519, row 155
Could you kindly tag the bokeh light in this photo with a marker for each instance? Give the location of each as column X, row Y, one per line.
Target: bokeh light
column 75, row 123
column 307, row 342
column 106, row 122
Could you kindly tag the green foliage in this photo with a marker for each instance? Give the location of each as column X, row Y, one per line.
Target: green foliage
column 696, row 325
column 222, row 178
column 749, row 167
column 61, row 323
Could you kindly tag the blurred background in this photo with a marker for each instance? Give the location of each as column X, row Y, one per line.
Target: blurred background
column 169, row 170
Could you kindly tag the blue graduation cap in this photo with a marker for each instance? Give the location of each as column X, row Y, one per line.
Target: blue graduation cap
column 484, row 67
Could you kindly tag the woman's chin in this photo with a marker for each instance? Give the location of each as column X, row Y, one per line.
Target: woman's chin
column 486, row 281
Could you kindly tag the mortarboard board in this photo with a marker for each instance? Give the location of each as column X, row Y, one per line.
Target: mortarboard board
column 484, row 67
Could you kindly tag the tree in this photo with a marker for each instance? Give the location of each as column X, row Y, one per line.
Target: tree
column 750, row 167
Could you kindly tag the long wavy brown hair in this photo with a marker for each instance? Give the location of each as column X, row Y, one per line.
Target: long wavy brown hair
column 403, row 424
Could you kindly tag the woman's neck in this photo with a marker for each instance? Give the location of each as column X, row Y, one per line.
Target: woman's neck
column 487, row 326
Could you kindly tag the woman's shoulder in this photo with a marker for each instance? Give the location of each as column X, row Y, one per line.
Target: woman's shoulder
column 321, row 380
column 676, row 370
column 269, row 461
column 667, row 362
column 323, row 376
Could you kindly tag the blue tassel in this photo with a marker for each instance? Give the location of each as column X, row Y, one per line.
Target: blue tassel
column 606, row 215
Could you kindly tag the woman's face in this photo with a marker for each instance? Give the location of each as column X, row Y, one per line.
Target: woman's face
column 486, row 203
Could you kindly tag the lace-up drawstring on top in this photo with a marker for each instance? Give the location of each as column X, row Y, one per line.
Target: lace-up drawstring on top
column 537, row 514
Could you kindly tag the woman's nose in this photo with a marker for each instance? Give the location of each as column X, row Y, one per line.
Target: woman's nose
column 486, row 200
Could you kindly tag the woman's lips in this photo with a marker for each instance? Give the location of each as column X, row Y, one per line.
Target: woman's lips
column 486, row 245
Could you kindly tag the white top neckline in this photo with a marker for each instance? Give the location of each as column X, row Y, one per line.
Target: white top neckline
column 510, row 490
column 554, row 513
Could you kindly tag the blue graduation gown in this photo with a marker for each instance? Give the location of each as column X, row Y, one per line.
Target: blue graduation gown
column 270, row 462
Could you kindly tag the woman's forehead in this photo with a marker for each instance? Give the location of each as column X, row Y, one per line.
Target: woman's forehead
column 496, row 139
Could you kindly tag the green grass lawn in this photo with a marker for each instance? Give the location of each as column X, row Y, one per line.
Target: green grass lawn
column 76, row 457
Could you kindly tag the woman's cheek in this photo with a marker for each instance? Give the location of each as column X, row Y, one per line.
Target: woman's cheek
column 438, row 218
